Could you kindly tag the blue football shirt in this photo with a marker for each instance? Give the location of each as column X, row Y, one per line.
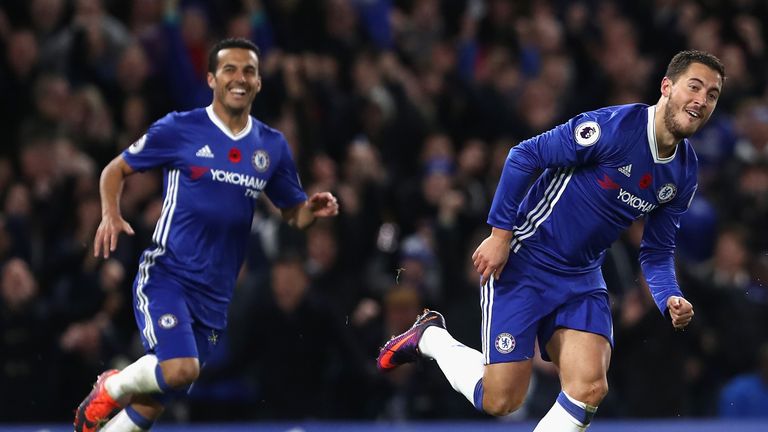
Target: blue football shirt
column 212, row 179
column 601, row 171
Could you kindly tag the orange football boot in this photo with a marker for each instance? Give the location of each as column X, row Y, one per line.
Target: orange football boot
column 98, row 407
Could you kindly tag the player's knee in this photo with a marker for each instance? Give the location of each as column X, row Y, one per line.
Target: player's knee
column 501, row 405
column 182, row 374
column 591, row 393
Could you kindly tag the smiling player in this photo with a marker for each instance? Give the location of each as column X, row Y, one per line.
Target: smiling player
column 601, row 170
column 216, row 162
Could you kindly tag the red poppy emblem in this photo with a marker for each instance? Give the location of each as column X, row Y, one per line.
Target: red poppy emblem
column 645, row 181
column 234, row 155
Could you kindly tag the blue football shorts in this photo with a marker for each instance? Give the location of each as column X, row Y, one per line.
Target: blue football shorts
column 527, row 302
column 166, row 325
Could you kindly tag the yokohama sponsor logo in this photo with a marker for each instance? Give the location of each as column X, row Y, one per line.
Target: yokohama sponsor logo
column 238, row 179
column 635, row 202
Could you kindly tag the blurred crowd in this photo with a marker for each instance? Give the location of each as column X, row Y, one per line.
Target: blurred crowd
column 406, row 110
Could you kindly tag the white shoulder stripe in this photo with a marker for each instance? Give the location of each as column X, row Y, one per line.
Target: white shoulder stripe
column 540, row 205
column 544, row 208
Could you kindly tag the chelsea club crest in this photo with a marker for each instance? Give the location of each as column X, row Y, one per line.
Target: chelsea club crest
column 260, row 160
column 168, row 321
column 666, row 193
column 505, row 343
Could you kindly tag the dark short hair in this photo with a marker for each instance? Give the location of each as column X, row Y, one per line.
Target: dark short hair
column 213, row 55
column 683, row 59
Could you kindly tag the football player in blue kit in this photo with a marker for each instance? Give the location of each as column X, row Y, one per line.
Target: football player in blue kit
column 601, row 171
column 216, row 162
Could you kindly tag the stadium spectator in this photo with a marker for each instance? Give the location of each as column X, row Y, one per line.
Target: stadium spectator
column 746, row 396
column 29, row 357
column 301, row 323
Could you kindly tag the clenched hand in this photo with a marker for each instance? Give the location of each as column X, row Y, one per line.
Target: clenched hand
column 681, row 311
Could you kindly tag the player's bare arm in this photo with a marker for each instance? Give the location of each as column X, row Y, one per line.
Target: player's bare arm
column 320, row 204
column 680, row 310
column 112, row 222
column 492, row 254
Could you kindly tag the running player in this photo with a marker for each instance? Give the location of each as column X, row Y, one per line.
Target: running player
column 601, row 170
column 216, row 162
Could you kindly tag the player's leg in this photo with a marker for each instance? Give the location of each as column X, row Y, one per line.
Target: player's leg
column 461, row 365
column 168, row 334
column 171, row 361
column 143, row 377
column 582, row 355
column 173, row 378
column 504, row 387
column 147, row 375
column 583, row 362
column 511, row 310
column 498, row 389
column 177, row 374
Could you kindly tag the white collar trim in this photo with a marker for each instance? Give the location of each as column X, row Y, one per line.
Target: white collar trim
column 651, row 128
column 227, row 131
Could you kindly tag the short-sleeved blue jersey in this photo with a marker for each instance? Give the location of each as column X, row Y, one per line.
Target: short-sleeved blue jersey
column 601, row 172
column 212, row 179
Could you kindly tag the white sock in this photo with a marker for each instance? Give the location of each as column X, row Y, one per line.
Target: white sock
column 559, row 420
column 121, row 423
column 137, row 377
column 461, row 365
